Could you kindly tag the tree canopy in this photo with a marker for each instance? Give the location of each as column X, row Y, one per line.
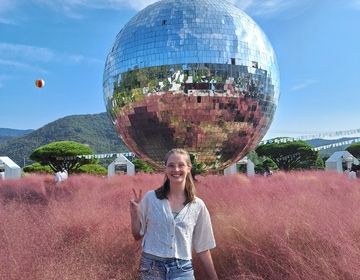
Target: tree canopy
column 261, row 163
column 291, row 155
column 93, row 169
column 62, row 155
column 197, row 167
column 36, row 167
column 354, row 149
column 142, row 166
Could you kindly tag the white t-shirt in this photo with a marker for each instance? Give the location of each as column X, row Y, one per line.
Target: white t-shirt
column 352, row 175
column 167, row 237
column 61, row 176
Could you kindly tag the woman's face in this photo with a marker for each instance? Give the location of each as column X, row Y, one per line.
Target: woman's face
column 177, row 168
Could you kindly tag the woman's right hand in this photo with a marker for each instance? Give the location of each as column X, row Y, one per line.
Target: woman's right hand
column 135, row 214
column 135, row 203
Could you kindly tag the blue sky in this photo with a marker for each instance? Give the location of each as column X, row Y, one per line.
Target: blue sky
column 65, row 42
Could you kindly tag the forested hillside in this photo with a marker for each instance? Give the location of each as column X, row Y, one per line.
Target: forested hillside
column 95, row 130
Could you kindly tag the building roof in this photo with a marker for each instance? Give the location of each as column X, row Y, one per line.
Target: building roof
column 8, row 162
column 342, row 155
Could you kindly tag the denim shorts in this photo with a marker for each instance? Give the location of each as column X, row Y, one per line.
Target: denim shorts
column 156, row 268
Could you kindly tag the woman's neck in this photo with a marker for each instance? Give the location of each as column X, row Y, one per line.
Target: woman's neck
column 177, row 190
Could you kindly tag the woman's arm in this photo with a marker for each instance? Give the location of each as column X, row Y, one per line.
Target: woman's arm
column 135, row 223
column 135, row 215
column 208, row 265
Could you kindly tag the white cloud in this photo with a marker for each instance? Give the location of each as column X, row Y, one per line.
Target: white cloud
column 6, row 21
column 5, row 7
column 19, row 52
column 269, row 7
column 16, row 58
column 300, row 85
column 355, row 4
column 21, row 65
column 139, row 4
column 82, row 59
column 26, row 52
column 75, row 8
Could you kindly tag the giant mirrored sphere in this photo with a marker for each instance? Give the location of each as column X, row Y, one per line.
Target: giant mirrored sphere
column 195, row 74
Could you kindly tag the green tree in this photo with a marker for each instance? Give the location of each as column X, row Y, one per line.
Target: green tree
column 291, row 155
column 268, row 164
column 37, row 168
column 354, row 149
column 260, row 162
column 142, row 166
column 62, row 155
column 197, row 167
column 93, row 169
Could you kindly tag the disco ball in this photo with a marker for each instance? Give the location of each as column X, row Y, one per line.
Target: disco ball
column 195, row 74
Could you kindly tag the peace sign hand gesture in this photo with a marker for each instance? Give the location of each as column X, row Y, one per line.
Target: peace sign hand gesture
column 135, row 204
column 135, row 214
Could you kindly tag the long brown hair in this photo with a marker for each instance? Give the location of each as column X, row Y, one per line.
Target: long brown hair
column 163, row 191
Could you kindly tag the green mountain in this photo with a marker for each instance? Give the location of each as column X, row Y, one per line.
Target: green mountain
column 95, row 130
column 3, row 139
column 9, row 132
column 323, row 142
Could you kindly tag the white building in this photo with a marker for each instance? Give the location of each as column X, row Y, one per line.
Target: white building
column 337, row 159
column 250, row 167
column 124, row 164
column 11, row 169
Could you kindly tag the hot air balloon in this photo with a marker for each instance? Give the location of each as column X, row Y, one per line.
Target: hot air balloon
column 39, row 83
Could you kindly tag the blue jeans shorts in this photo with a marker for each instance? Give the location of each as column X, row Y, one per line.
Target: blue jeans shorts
column 156, row 268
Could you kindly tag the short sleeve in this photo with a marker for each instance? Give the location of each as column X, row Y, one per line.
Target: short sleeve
column 203, row 236
column 143, row 213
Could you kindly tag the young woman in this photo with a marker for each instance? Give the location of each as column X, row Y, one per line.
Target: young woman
column 171, row 221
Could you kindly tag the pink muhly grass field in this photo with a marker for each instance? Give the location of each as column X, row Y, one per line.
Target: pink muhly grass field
column 303, row 225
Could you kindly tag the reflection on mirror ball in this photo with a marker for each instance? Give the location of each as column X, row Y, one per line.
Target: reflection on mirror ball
column 199, row 75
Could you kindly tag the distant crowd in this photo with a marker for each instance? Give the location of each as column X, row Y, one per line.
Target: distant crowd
column 354, row 171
